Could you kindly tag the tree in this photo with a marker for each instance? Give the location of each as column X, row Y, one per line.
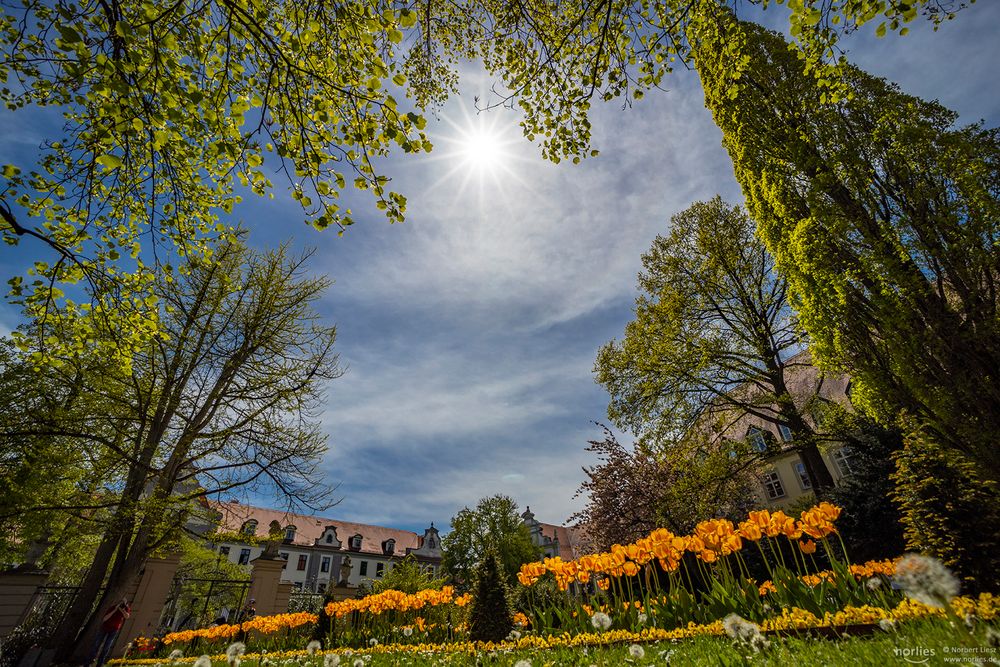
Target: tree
column 714, row 339
column 885, row 219
column 491, row 617
column 633, row 492
column 870, row 524
column 173, row 113
column 493, row 525
column 408, row 576
column 223, row 400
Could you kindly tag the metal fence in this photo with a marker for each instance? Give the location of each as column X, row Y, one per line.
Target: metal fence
column 50, row 606
column 305, row 601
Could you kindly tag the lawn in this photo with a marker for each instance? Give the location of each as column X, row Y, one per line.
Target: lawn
column 931, row 642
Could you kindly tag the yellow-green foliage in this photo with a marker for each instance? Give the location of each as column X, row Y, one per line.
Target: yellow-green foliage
column 885, row 220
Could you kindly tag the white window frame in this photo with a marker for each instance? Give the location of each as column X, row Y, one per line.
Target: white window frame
column 756, row 435
column 324, row 564
column 842, row 457
column 785, row 431
column 773, row 478
column 800, row 472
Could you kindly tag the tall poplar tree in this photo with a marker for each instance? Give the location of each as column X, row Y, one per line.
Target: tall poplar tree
column 885, row 219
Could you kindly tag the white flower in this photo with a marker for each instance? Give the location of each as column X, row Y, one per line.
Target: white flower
column 745, row 632
column 665, row 655
column 601, row 621
column 313, row 646
column 514, row 635
column 372, row 641
column 176, row 654
column 873, row 583
column 887, row 624
column 926, row 580
column 235, row 650
column 642, row 619
column 203, row 661
column 739, row 628
column 407, row 631
column 359, row 663
column 331, row 660
column 522, row 663
column 636, row 651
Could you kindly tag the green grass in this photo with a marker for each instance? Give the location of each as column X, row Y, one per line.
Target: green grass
column 928, row 642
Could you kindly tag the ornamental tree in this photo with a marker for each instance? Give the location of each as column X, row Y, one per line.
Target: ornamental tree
column 714, row 341
column 884, row 218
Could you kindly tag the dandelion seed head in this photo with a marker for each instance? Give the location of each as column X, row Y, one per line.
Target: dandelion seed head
column 874, row 583
column 331, row 660
column 600, row 620
column 636, row 651
column 739, row 628
column 176, row 654
column 642, row 618
column 926, row 580
column 235, row 650
column 887, row 624
column 522, row 663
column 313, row 646
column 203, row 661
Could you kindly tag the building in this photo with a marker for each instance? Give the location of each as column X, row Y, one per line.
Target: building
column 783, row 479
column 568, row 543
column 320, row 552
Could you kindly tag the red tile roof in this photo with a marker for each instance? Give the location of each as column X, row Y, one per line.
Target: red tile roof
column 571, row 543
column 309, row 528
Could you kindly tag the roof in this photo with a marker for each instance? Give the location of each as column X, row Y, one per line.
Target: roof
column 308, row 529
column 571, row 539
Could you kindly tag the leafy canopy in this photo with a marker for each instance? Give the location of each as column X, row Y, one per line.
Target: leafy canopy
column 494, row 525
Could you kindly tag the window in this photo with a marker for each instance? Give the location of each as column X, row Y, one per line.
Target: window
column 356, row 543
column 846, row 461
column 283, row 556
column 244, row 556
column 432, row 543
column 772, row 485
column 379, row 569
column 363, row 570
column 800, row 470
column 756, row 439
column 388, row 547
column 289, row 533
column 329, row 538
column 224, row 552
column 324, row 565
column 303, row 559
column 786, row 433
column 249, row 527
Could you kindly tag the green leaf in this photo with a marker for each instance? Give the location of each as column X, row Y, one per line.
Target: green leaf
column 109, row 162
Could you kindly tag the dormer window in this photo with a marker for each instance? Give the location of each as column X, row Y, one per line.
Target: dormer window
column 388, row 547
column 432, row 543
column 289, row 533
column 355, row 542
column 249, row 528
column 329, row 538
column 786, row 433
column 756, row 439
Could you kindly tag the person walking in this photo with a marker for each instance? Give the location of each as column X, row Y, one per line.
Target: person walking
column 111, row 625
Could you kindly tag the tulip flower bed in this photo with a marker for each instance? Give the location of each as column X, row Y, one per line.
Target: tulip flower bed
column 664, row 587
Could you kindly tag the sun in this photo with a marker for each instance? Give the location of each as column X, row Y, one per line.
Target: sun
column 482, row 148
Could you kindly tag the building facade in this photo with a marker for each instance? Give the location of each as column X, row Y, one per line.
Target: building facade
column 318, row 552
column 783, row 478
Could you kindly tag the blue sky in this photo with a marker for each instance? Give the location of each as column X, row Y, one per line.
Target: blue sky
column 469, row 332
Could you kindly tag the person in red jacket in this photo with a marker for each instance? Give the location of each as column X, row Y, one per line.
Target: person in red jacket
column 111, row 625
